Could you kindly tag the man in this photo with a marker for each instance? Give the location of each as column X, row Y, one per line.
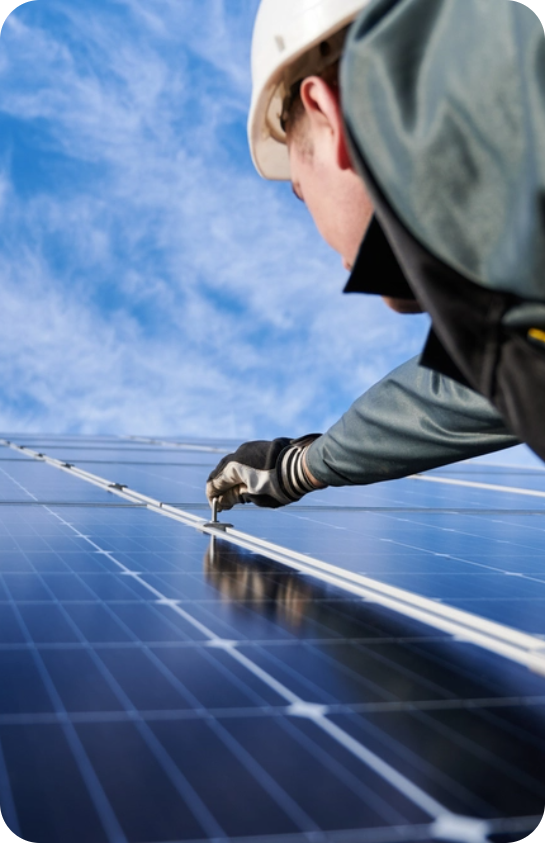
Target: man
column 429, row 180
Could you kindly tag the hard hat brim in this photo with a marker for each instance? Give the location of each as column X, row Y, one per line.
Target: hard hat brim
column 265, row 136
column 269, row 154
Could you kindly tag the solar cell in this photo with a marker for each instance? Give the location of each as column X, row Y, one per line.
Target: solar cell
column 163, row 684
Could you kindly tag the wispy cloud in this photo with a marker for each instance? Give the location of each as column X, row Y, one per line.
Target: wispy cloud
column 150, row 282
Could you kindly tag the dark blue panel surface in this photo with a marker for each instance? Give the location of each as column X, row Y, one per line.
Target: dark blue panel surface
column 156, row 688
column 454, row 557
column 34, row 481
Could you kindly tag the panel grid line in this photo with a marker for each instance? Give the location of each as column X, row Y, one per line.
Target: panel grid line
column 272, row 711
column 411, row 791
column 506, row 641
column 219, row 643
column 98, row 796
column 191, row 798
column 398, row 781
column 277, row 793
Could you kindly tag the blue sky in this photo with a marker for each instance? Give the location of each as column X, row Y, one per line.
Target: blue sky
column 150, row 281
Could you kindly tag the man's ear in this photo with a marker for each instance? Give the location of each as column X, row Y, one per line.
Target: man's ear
column 322, row 106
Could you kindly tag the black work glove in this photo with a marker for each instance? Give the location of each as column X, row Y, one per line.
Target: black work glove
column 265, row 473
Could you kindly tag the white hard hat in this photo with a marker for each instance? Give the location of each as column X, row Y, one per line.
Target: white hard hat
column 286, row 48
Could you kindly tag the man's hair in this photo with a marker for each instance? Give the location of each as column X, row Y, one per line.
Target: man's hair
column 294, row 114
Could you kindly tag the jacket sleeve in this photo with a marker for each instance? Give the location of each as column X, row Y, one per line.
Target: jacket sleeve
column 412, row 420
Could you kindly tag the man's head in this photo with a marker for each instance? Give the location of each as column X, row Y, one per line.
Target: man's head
column 292, row 39
column 321, row 171
column 295, row 128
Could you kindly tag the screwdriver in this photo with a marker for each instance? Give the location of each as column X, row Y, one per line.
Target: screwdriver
column 218, row 525
column 214, row 510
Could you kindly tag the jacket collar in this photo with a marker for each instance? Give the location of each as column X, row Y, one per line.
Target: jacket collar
column 376, row 269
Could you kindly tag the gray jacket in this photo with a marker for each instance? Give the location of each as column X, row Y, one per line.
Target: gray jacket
column 423, row 82
column 412, row 420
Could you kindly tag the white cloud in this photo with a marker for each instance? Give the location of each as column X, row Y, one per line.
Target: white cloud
column 151, row 282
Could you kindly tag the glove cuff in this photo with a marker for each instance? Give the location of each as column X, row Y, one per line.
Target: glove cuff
column 292, row 473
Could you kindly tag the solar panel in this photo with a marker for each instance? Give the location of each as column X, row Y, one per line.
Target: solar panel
column 367, row 665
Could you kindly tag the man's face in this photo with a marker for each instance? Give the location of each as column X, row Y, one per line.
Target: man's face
column 336, row 198
column 338, row 202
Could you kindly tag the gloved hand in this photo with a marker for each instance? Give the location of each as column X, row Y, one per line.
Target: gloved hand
column 265, row 473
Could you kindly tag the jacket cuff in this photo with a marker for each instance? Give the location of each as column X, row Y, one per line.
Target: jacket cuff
column 293, row 475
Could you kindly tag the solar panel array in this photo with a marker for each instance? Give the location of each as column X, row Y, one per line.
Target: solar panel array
column 160, row 683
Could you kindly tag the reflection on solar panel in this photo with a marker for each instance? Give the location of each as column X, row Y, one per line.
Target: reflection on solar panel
column 367, row 666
